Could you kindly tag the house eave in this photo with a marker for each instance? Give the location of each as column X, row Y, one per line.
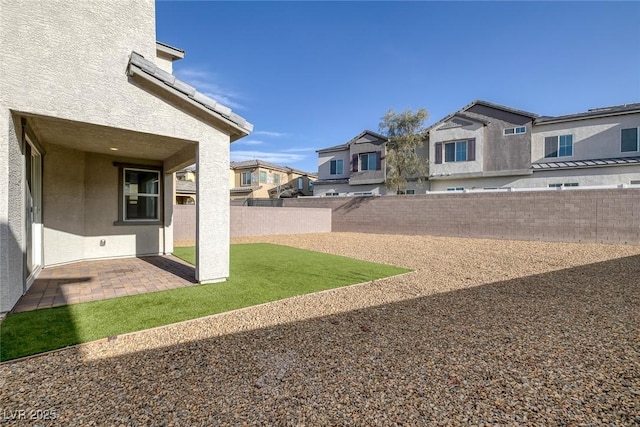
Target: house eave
column 542, row 121
column 167, row 86
column 470, row 175
column 173, row 52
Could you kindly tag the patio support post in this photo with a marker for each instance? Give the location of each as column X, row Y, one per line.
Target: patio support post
column 169, row 196
column 212, row 211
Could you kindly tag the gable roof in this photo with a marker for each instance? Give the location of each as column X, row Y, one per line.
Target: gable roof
column 353, row 140
column 260, row 163
column 168, row 84
column 464, row 114
column 615, row 110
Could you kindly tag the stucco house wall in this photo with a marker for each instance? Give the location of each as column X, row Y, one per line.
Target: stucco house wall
column 324, row 164
column 596, row 138
column 440, row 135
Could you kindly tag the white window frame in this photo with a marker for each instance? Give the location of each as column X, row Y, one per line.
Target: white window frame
column 455, row 189
column 331, row 194
column 125, row 194
column 637, row 140
column 338, row 162
column 521, row 129
column 246, row 183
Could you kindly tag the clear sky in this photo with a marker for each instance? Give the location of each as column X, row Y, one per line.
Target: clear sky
column 310, row 75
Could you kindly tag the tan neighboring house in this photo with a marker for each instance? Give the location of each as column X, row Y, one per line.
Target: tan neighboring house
column 258, row 179
column 185, row 187
column 93, row 124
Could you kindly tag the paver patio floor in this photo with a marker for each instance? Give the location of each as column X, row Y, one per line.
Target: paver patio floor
column 96, row 280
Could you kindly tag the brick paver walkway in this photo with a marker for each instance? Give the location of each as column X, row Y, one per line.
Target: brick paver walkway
column 95, row 280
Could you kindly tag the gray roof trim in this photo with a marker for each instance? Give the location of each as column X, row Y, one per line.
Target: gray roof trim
column 260, row 163
column 173, row 52
column 331, row 181
column 490, row 174
column 352, row 140
column 185, row 186
column 341, row 147
column 486, row 104
column 583, row 164
column 245, row 189
column 615, row 110
column 149, row 71
column 356, row 181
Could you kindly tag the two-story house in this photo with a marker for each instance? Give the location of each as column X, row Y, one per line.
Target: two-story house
column 481, row 145
column 489, row 146
column 357, row 167
column 252, row 179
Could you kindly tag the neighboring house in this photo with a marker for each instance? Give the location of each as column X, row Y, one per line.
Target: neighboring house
column 92, row 127
column 258, row 179
column 489, row 146
column 480, row 145
column 355, row 168
column 185, row 187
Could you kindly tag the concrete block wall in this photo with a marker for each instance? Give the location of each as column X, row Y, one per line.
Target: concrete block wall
column 254, row 221
column 602, row 216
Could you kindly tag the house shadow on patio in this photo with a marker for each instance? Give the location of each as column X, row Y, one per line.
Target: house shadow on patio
column 554, row 348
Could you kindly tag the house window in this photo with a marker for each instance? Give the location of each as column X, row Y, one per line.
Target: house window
column 410, row 192
column 566, row 184
column 455, row 189
column 245, row 179
column 629, row 140
column 311, row 186
column 336, row 167
column 455, row 151
column 634, row 182
column 263, row 177
column 515, row 131
column 141, row 195
column 368, row 162
column 558, row 146
column 332, row 194
column 300, row 184
column 276, row 179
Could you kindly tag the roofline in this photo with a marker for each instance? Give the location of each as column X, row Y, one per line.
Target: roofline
column 261, row 163
column 173, row 52
column 582, row 116
column 502, row 107
column 352, row 140
column 168, row 83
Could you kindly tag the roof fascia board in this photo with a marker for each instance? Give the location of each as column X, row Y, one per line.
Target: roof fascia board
column 134, row 70
column 171, row 51
column 560, row 119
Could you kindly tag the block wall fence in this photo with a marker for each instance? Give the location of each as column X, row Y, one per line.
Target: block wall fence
column 598, row 216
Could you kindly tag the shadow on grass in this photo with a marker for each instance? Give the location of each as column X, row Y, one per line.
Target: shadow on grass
column 558, row 348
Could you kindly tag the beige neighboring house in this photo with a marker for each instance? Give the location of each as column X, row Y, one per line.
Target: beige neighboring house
column 93, row 124
column 185, row 187
column 253, row 179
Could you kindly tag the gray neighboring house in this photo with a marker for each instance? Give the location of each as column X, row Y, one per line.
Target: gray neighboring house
column 490, row 146
column 93, row 124
column 354, row 168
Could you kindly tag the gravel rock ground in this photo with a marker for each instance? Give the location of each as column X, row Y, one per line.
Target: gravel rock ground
column 483, row 332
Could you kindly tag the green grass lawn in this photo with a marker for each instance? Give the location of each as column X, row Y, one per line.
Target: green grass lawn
column 259, row 273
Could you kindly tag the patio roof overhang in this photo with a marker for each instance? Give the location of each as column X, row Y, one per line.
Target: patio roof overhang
column 89, row 137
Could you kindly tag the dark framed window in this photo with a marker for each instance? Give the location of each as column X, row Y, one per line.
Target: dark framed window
column 455, row 151
column 368, row 162
column 629, row 140
column 139, row 194
column 336, row 167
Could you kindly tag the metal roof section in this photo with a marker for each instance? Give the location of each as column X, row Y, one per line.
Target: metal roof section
column 245, row 189
column 260, row 163
column 580, row 164
column 144, row 68
column 615, row 110
column 169, row 50
column 334, row 148
column 185, row 187
column 331, row 181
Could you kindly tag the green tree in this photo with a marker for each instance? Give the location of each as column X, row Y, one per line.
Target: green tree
column 407, row 134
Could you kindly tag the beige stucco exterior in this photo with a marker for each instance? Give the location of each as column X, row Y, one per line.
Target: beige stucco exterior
column 64, row 82
column 268, row 181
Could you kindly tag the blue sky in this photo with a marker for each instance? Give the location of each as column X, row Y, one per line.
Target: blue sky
column 310, row 75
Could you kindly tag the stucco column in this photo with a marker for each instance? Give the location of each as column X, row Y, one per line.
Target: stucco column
column 212, row 211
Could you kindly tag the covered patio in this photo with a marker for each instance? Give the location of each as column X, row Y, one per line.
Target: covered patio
column 86, row 281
